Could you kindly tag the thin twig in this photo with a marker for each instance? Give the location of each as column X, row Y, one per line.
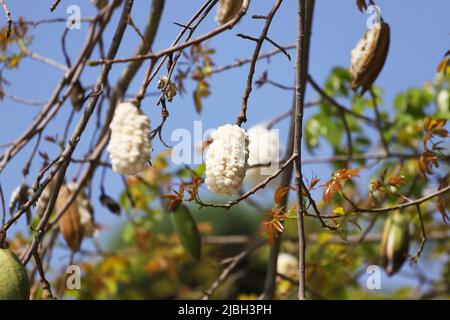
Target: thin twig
column 54, row 5
column 424, row 235
column 333, row 102
column 156, row 55
column 229, row 269
column 401, row 205
column 8, row 18
column 276, row 45
column 242, row 117
column 240, row 63
column 45, row 285
column 379, row 123
column 2, row 197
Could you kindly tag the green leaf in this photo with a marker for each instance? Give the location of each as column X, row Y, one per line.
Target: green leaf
column 187, row 231
column 414, row 102
column 338, row 83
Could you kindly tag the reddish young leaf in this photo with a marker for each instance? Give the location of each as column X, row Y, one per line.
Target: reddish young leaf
column 330, row 188
column 280, row 194
column 397, row 181
column 334, row 185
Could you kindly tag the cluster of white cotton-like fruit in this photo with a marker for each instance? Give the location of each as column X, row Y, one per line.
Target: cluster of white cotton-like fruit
column 264, row 154
column 129, row 147
column 226, row 160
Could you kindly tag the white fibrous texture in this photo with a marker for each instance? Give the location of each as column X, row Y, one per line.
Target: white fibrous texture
column 85, row 210
column 167, row 87
column 264, row 149
column 227, row 10
column 129, row 147
column 365, row 44
column 19, row 197
column 287, row 265
column 226, row 160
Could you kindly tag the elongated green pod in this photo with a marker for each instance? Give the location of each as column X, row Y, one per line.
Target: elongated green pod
column 14, row 282
column 395, row 243
column 187, row 231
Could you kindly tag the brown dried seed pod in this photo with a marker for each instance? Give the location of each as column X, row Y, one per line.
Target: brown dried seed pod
column 369, row 56
column 227, row 10
column 70, row 223
column 84, row 209
column 44, row 198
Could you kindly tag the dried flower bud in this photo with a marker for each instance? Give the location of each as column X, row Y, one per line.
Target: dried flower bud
column 167, row 87
column 287, row 265
column 227, row 10
column 77, row 96
column 70, row 223
column 395, row 242
column 369, row 56
column 129, row 147
column 226, row 160
column 264, row 153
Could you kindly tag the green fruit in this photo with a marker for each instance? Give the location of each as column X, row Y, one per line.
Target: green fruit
column 187, row 231
column 14, row 283
column 395, row 242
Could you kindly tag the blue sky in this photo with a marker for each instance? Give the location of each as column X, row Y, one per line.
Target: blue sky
column 420, row 36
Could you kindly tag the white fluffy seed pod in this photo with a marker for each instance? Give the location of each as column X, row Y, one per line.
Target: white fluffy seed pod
column 227, row 10
column 226, row 160
column 129, row 147
column 264, row 149
column 169, row 90
column 287, row 265
column 84, row 209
